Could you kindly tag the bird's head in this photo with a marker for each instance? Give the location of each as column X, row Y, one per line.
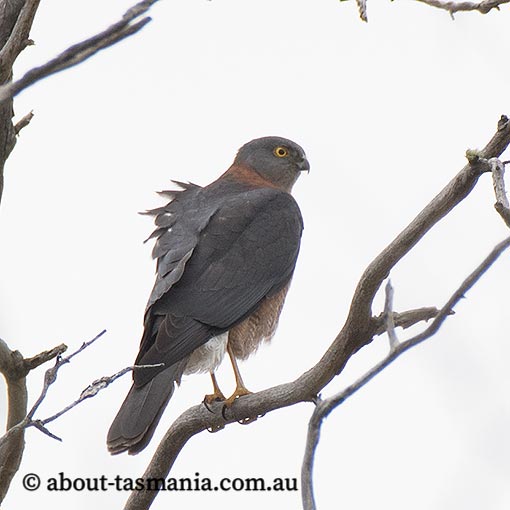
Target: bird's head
column 277, row 160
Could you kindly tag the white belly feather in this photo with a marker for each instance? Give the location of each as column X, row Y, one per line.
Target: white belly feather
column 208, row 356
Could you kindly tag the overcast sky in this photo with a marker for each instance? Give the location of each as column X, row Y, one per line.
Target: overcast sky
column 385, row 112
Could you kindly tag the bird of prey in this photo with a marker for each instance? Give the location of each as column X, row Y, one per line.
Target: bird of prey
column 225, row 257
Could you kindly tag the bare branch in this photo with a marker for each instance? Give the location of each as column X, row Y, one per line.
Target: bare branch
column 51, row 374
column 92, row 390
column 325, row 407
column 23, row 122
column 128, row 25
column 405, row 319
column 16, row 19
column 312, row 441
column 18, row 38
column 44, row 357
column 388, row 313
column 39, row 426
column 452, row 7
column 498, row 181
column 20, row 367
column 362, row 9
column 358, row 330
column 15, row 369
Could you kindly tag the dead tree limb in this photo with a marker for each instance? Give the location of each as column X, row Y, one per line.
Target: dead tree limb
column 483, row 7
column 451, row 6
column 324, row 407
column 131, row 22
column 16, row 20
column 15, row 369
column 501, row 205
column 14, row 37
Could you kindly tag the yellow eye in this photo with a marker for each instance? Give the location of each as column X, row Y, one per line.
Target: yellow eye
column 281, row 152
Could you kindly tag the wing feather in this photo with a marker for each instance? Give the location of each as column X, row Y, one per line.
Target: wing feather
column 230, row 251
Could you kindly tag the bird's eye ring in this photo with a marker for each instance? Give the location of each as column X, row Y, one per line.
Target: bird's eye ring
column 281, row 152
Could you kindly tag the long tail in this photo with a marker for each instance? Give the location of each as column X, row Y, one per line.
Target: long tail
column 134, row 425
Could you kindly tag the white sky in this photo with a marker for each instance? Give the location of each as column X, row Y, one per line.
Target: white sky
column 385, row 112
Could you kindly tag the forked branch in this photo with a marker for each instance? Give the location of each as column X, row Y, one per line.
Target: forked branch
column 324, row 407
column 15, row 369
column 130, row 23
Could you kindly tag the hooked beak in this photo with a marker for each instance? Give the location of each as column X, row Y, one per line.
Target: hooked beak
column 304, row 166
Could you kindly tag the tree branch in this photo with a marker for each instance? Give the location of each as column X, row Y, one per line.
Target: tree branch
column 362, row 9
column 18, row 39
column 128, row 25
column 16, row 19
column 452, row 7
column 324, row 407
column 91, row 391
column 358, row 330
column 23, row 122
column 16, row 22
column 406, row 319
column 15, row 368
column 498, row 181
column 51, row 374
column 388, row 315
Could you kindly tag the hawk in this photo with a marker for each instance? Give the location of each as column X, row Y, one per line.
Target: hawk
column 225, row 255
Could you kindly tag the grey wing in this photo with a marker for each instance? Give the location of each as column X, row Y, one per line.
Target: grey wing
column 179, row 224
column 247, row 252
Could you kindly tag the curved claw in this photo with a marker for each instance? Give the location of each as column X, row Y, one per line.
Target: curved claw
column 240, row 392
column 207, row 404
column 216, row 396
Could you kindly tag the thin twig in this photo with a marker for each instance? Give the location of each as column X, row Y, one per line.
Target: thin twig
column 128, row 25
column 82, row 347
column 49, row 378
column 15, row 369
column 51, row 374
column 90, row 391
column 405, row 319
column 94, row 388
column 23, row 122
column 388, row 313
column 498, row 181
column 452, row 7
column 39, row 426
column 325, row 407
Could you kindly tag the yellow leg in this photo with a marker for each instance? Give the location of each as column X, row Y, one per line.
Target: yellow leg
column 217, row 394
column 240, row 387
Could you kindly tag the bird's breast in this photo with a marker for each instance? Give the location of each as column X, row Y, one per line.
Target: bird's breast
column 245, row 338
